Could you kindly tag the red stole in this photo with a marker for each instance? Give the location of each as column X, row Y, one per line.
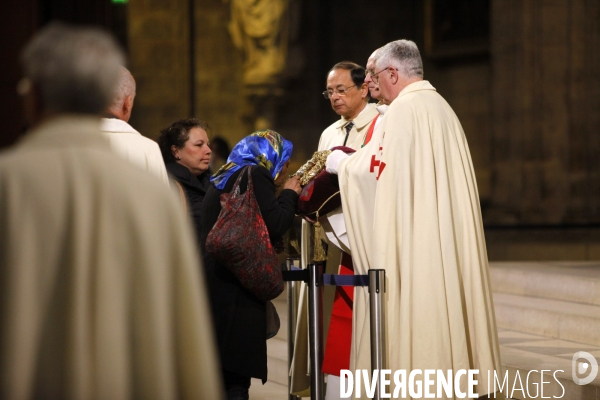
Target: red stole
column 339, row 337
column 370, row 131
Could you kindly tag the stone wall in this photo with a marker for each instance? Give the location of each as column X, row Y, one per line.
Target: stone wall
column 159, row 59
column 330, row 32
column 466, row 86
column 530, row 109
column 18, row 22
column 545, row 112
column 218, row 64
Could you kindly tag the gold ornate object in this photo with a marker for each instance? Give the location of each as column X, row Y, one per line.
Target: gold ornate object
column 306, row 167
column 313, row 167
column 308, row 172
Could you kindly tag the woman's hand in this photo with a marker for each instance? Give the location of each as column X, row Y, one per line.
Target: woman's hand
column 294, row 184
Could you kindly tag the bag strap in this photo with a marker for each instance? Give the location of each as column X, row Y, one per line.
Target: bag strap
column 250, row 184
column 235, row 190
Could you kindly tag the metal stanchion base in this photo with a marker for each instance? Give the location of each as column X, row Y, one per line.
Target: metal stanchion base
column 313, row 275
column 315, row 327
column 376, row 293
column 292, row 313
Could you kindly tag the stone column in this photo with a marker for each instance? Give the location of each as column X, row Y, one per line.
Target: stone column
column 545, row 112
column 159, row 56
column 218, row 72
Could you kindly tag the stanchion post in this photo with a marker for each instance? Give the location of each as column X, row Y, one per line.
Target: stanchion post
column 376, row 296
column 292, row 302
column 315, row 327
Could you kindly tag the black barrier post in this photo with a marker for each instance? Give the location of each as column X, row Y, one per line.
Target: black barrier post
column 376, row 296
column 292, row 314
column 315, row 327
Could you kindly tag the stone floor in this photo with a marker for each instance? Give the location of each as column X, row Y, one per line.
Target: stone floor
column 268, row 391
column 525, row 349
column 537, row 352
column 526, row 352
column 522, row 351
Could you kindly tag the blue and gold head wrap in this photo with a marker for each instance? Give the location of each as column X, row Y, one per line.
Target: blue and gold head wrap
column 267, row 148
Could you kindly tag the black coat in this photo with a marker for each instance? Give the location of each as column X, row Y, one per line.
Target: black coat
column 239, row 317
column 194, row 187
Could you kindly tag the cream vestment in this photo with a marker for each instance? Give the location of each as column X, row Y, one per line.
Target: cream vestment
column 131, row 145
column 101, row 290
column 411, row 207
column 333, row 135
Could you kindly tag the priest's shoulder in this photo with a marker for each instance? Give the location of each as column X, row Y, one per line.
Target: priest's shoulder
column 12, row 159
column 416, row 101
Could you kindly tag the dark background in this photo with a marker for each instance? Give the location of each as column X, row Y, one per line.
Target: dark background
column 522, row 75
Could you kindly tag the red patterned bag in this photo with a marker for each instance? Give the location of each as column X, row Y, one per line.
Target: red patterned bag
column 240, row 241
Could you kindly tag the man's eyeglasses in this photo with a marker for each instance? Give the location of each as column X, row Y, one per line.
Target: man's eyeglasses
column 340, row 91
column 374, row 76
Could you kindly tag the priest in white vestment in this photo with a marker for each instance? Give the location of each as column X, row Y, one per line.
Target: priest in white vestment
column 349, row 96
column 411, row 207
column 101, row 293
column 126, row 141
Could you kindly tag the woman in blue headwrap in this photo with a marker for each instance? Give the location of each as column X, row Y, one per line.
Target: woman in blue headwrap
column 239, row 317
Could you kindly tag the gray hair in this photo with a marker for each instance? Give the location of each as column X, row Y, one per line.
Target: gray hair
column 403, row 55
column 125, row 87
column 76, row 68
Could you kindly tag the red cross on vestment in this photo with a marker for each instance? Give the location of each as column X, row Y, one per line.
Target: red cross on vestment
column 376, row 163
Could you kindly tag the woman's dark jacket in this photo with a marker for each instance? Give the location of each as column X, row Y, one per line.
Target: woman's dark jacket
column 194, row 188
column 239, row 317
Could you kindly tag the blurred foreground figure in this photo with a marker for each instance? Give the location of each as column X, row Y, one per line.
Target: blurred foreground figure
column 100, row 291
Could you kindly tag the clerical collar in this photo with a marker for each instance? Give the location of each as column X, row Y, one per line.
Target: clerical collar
column 382, row 108
column 365, row 108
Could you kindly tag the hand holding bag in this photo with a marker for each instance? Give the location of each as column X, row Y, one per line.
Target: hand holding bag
column 240, row 241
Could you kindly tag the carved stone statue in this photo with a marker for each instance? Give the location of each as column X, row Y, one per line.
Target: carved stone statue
column 260, row 29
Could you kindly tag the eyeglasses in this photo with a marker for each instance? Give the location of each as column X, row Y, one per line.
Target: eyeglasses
column 341, row 92
column 374, row 76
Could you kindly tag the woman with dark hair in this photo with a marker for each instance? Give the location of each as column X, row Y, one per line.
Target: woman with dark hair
column 240, row 317
column 185, row 148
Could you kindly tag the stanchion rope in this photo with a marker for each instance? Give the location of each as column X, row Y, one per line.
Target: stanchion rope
column 298, row 274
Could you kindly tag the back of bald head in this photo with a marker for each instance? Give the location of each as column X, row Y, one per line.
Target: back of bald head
column 125, row 89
